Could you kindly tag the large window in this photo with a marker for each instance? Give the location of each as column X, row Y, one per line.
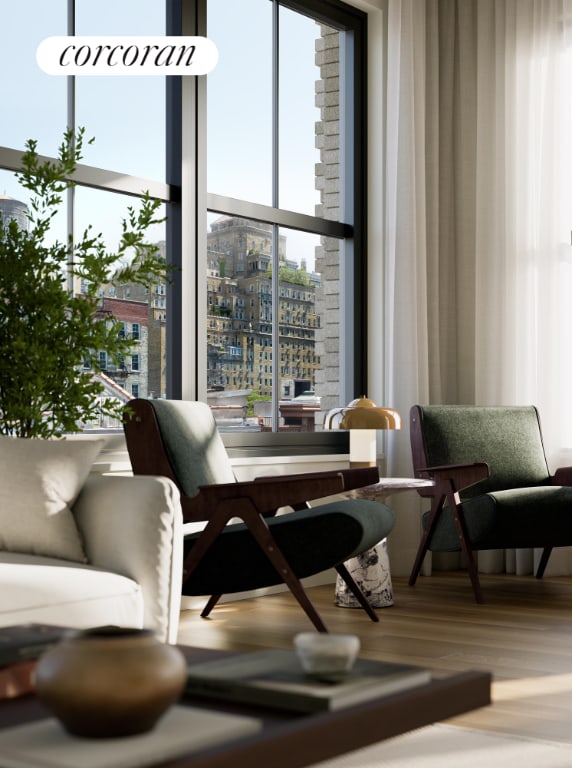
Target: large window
column 261, row 169
column 284, row 137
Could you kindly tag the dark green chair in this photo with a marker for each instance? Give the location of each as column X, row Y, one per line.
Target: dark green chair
column 179, row 439
column 493, row 488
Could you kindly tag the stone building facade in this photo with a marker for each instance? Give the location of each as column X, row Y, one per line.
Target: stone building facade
column 328, row 183
column 239, row 312
column 131, row 373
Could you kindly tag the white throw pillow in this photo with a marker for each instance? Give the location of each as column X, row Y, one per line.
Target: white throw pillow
column 39, row 482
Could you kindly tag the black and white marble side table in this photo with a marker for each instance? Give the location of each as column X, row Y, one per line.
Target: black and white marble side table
column 370, row 570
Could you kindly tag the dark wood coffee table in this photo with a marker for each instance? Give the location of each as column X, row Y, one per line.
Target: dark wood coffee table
column 292, row 741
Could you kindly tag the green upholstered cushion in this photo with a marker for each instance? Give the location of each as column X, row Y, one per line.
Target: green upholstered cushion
column 193, row 444
column 522, row 517
column 312, row 541
column 507, row 438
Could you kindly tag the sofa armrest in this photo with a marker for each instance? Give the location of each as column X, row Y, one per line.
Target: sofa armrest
column 134, row 526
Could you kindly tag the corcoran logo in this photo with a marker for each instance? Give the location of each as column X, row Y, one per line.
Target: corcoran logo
column 120, row 55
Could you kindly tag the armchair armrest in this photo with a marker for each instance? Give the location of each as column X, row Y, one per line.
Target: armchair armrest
column 352, row 478
column 457, row 476
column 562, row 476
column 265, row 494
column 133, row 526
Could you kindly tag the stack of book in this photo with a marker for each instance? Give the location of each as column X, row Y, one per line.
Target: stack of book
column 21, row 645
column 275, row 678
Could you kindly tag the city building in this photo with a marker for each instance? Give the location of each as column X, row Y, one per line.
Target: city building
column 13, row 210
column 239, row 312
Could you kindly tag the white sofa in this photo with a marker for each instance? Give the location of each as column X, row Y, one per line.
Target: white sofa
column 131, row 528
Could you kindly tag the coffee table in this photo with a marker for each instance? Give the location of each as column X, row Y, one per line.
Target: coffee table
column 370, row 570
column 290, row 740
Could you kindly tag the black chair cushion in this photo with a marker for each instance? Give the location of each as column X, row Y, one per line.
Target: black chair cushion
column 314, row 539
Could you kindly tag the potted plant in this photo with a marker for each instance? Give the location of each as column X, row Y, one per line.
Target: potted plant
column 51, row 336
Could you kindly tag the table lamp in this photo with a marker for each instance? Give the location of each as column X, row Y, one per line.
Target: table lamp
column 362, row 417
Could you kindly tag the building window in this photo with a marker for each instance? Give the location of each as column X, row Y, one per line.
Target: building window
column 136, row 331
column 135, row 390
column 135, row 363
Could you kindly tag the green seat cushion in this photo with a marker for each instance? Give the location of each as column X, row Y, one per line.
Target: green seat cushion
column 521, row 517
column 314, row 539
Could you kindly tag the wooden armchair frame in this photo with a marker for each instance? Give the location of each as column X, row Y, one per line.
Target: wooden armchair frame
column 252, row 502
column 449, row 482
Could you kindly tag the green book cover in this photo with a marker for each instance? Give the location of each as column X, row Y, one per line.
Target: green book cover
column 275, row 678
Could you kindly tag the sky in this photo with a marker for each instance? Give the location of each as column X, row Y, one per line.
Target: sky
column 112, row 108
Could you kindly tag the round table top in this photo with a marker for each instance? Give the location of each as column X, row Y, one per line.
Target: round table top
column 387, row 486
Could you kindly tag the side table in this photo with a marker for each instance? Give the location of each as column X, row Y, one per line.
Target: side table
column 370, row 570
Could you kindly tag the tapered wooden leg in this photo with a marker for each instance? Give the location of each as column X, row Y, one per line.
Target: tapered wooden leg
column 426, row 538
column 459, row 521
column 543, row 562
column 259, row 529
column 358, row 594
column 213, row 600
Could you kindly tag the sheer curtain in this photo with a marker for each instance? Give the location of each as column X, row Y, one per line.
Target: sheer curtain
column 478, row 221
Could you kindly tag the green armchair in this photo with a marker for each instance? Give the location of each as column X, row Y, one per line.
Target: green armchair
column 179, row 440
column 492, row 486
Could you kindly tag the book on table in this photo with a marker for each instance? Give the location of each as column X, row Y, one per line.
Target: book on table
column 275, row 678
column 21, row 642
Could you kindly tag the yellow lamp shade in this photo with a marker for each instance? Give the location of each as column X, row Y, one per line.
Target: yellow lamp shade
column 362, row 413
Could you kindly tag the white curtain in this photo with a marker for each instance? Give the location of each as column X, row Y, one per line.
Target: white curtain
column 479, row 220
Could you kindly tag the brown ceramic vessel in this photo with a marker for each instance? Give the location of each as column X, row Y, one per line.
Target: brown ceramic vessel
column 110, row 681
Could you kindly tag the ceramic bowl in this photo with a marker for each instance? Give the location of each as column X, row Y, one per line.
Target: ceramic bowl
column 324, row 653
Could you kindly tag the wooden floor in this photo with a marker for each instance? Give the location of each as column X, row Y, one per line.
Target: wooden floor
column 522, row 634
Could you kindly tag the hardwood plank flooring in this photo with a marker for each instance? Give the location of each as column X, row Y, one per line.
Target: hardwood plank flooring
column 522, row 634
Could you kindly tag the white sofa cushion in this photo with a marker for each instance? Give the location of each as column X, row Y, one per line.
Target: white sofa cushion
column 39, row 482
column 52, row 591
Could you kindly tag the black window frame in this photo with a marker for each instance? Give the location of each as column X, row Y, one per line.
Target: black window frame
column 186, row 170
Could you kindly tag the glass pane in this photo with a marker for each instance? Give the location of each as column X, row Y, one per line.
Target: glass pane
column 239, row 99
column 240, row 351
column 299, row 290
column 302, row 92
column 143, row 313
column 239, row 319
column 126, row 115
column 33, row 103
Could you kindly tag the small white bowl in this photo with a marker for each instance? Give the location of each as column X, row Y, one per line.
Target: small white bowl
column 323, row 653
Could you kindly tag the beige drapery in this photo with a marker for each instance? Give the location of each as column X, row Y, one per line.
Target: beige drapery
column 478, row 215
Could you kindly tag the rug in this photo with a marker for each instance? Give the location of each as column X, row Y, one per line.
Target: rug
column 447, row 746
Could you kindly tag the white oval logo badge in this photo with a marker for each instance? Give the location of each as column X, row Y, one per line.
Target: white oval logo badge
column 119, row 55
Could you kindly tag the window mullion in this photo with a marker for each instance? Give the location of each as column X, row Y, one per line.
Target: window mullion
column 70, row 195
column 275, row 202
